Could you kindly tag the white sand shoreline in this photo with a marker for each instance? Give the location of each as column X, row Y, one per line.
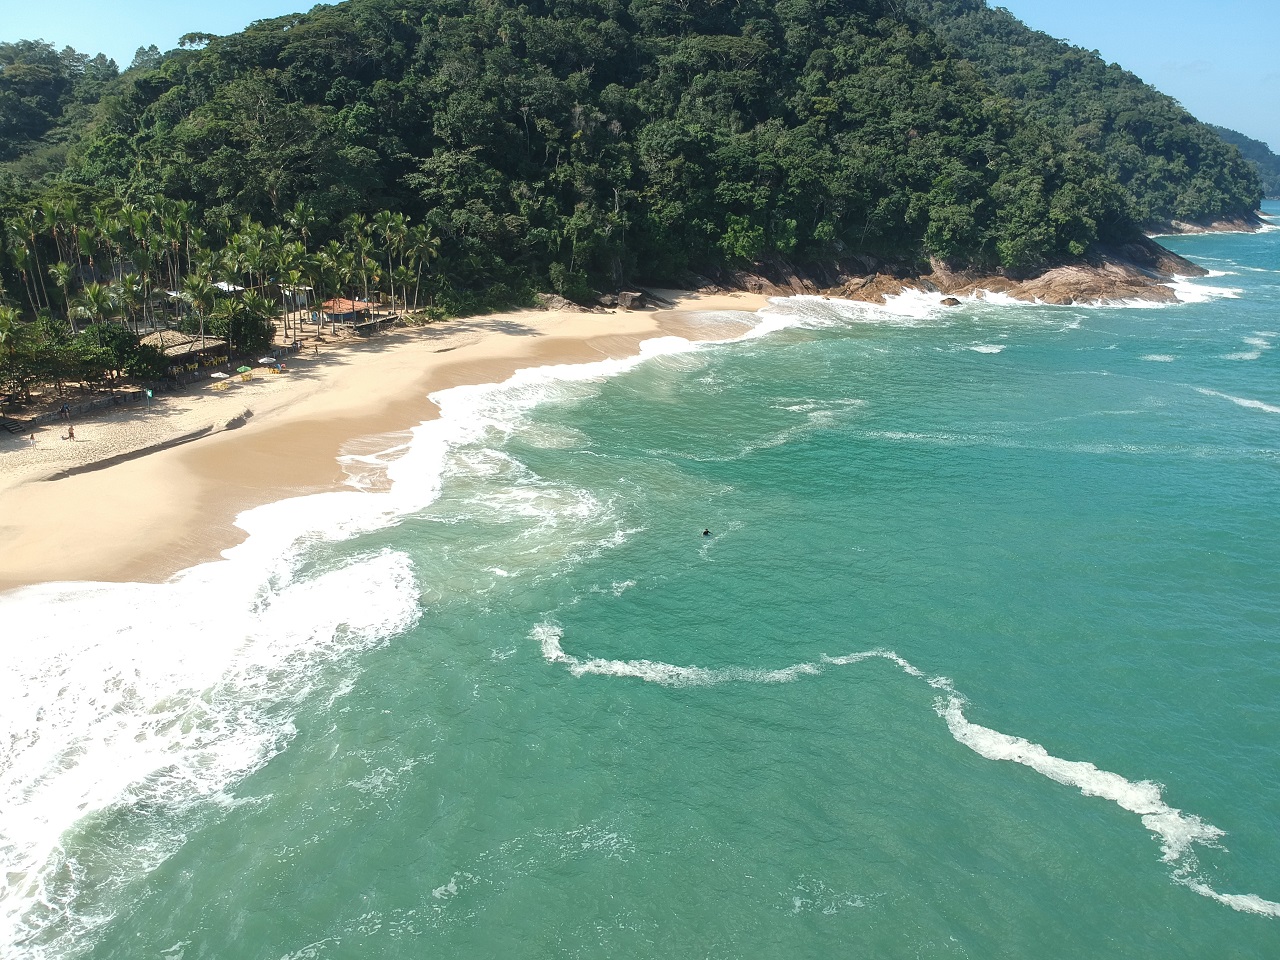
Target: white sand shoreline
column 155, row 491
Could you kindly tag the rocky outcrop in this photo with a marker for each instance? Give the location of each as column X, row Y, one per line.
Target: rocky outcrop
column 1249, row 224
column 553, row 301
column 1138, row 270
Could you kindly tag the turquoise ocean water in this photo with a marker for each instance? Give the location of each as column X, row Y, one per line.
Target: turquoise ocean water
column 981, row 660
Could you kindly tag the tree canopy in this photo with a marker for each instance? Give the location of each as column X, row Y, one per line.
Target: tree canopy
column 1168, row 165
column 1259, row 155
column 579, row 144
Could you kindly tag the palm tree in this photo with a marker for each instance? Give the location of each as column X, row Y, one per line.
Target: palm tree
column 145, row 261
column 228, row 311
column 302, row 218
column 86, row 246
column 8, row 334
column 362, row 247
column 61, row 273
column 8, row 329
column 27, row 226
column 129, row 291
column 200, row 295
column 21, row 259
column 422, row 248
column 354, row 227
column 289, row 258
column 402, row 275
column 382, row 226
column 96, row 303
column 259, row 308
column 50, row 213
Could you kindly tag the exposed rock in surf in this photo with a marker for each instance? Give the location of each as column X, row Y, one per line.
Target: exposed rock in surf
column 1138, row 270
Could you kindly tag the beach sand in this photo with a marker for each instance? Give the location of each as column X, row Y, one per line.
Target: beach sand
column 148, row 517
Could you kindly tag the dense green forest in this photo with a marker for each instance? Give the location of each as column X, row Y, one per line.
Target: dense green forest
column 1260, row 155
column 1170, row 166
column 580, row 145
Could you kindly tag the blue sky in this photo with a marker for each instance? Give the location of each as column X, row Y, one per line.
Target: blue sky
column 1221, row 59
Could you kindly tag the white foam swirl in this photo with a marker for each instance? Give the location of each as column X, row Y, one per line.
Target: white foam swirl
column 1179, row 833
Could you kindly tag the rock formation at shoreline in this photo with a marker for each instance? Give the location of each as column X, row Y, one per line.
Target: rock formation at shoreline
column 1249, row 224
column 1138, row 270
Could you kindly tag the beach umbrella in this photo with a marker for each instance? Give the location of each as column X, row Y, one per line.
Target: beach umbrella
column 267, row 360
column 244, row 369
column 219, row 375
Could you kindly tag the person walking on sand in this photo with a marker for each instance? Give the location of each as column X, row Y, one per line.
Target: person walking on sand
column 71, row 433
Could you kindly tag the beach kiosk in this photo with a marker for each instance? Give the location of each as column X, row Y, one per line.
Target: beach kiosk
column 187, row 352
column 357, row 314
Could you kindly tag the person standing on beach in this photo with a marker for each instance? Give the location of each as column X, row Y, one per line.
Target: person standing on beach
column 71, row 433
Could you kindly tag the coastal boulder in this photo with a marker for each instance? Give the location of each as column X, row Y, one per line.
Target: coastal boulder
column 553, row 301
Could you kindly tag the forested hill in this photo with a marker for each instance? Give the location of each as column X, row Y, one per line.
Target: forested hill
column 1260, row 155
column 587, row 143
column 1171, row 166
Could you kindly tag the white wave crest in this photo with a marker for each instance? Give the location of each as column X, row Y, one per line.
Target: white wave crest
column 1239, row 401
column 1178, row 832
column 133, row 719
column 1188, row 290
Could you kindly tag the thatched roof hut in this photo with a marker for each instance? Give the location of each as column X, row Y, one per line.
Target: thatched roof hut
column 180, row 347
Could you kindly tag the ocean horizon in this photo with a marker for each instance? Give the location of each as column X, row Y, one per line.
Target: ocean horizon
column 976, row 658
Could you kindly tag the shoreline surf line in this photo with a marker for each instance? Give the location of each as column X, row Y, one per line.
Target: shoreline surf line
column 1177, row 831
column 151, row 517
column 93, row 681
column 90, row 672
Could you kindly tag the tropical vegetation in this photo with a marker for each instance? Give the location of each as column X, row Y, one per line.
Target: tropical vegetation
column 1259, row 155
column 464, row 154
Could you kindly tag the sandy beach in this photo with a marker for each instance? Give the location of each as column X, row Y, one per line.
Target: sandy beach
column 148, row 504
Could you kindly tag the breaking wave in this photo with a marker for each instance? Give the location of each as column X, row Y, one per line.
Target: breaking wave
column 1179, row 833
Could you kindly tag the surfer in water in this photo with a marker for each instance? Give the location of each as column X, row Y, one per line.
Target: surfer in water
column 706, row 533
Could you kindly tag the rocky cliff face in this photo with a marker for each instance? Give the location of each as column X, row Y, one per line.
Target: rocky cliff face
column 1139, row 270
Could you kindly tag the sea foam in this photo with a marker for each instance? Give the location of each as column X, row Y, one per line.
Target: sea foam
column 1179, row 833
column 1188, row 290
column 111, row 715
column 106, row 711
